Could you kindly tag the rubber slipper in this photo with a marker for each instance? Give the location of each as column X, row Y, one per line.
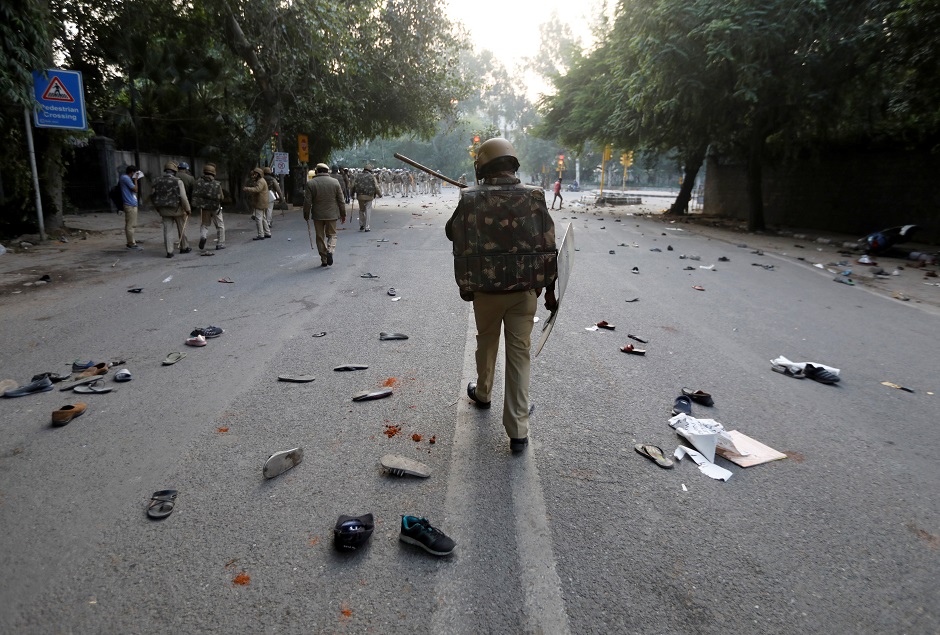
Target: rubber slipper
column 392, row 292
column 682, row 405
column 629, row 348
column 654, row 454
column 227, row 280
column 392, row 336
column 172, row 358
column 785, row 370
column 320, row 334
column 635, row 270
column 367, row 395
column 637, row 339
column 368, row 275
column 397, row 465
column 196, row 340
column 280, row 462
column 84, row 380
column 93, row 387
column 135, row 290
column 123, row 375
column 699, row 396
column 297, row 379
column 162, row 503
column 604, row 325
column 346, row 367
column 632, row 300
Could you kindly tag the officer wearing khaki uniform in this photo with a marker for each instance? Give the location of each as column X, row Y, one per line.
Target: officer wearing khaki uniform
column 366, row 188
column 324, row 201
column 504, row 255
column 257, row 192
column 207, row 201
column 169, row 197
column 275, row 189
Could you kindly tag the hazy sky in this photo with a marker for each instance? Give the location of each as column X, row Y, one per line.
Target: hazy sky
column 510, row 28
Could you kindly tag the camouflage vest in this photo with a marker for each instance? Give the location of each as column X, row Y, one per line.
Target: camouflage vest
column 166, row 192
column 365, row 184
column 206, row 194
column 504, row 239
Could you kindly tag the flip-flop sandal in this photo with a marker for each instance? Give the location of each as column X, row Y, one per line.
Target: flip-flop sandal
column 654, row 454
column 682, row 405
column 632, row 300
column 207, row 253
column 637, row 339
column 93, row 387
column 392, row 292
column 604, row 325
column 368, row 275
column 297, row 379
column 162, row 503
column 398, row 465
column 84, row 380
column 699, row 396
column 227, row 280
column 123, row 375
column 172, row 358
column 367, row 395
column 698, row 288
column 392, row 336
column 345, row 367
column 197, row 340
column 280, row 462
column 135, row 290
column 320, row 334
column 629, row 348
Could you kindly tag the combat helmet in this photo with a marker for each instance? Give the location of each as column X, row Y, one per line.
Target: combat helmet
column 491, row 150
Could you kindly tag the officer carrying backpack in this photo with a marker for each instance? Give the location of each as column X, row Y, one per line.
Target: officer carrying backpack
column 166, row 192
column 365, row 184
column 205, row 194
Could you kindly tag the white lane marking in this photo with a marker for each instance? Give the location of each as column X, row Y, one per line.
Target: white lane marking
column 544, row 609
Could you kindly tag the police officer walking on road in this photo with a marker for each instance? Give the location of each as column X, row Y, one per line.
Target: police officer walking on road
column 169, row 197
column 504, row 255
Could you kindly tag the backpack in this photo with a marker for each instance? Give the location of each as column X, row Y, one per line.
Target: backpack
column 116, row 196
column 365, row 184
column 166, row 192
column 205, row 194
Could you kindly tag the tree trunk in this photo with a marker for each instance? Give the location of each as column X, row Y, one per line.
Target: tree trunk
column 693, row 163
column 51, row 179
column 755, row 189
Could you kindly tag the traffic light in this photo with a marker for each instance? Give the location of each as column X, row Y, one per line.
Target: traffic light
column 561, row 162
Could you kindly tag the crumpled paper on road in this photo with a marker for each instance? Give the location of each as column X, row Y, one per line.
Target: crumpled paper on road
column 705, row 435
column 704, row 465
column 801, row 366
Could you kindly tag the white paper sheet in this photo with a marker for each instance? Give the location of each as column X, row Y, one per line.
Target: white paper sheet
column 705, row 466
column 704, row 434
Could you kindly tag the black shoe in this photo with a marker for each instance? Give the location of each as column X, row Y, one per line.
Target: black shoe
column 268, row 236
column 218, row 247
column 202, row 243
column 361, row 228
column 329, row 259
column 323, row 264
column 258, row 238
column 418, row 531
column 169, row 255
column 821, row 375
column 186, row 251
column 518, row 445
column 472, row 393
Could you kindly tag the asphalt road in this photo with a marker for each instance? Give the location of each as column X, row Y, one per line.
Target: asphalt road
column 578, row 535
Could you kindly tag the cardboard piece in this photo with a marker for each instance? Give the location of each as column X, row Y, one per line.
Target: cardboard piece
column 757, row 452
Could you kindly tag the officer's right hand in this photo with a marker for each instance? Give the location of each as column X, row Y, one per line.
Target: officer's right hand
column 550, row 302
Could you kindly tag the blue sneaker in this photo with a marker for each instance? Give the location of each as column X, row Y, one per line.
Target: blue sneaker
column 418, row 531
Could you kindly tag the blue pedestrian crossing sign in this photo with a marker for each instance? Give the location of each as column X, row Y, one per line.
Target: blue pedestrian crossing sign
column 60, row 99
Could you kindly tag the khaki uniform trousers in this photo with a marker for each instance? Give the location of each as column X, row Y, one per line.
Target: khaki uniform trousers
column 174, row 230
column 514, row 311
column 326, row 237
column 130, row 222
column 365, row 213
column 209, row 216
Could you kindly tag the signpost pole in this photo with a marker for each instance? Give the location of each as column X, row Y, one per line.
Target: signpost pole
column 32, row 163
